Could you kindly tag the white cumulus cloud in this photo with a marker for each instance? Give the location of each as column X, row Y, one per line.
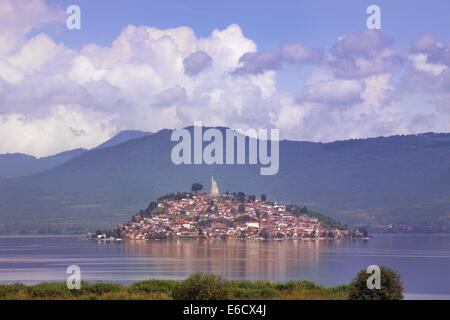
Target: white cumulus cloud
column 54, row 98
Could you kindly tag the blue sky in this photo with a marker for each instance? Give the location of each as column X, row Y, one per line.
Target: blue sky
column 310, row 68
column 268, row 23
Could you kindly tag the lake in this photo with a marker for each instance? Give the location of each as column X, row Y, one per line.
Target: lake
column 422, row 260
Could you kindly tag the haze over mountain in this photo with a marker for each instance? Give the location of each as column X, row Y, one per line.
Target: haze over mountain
column 398, row 179
column 122, row 137
column 19, row 164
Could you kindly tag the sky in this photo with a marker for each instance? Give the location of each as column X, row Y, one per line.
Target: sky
column 309, row 68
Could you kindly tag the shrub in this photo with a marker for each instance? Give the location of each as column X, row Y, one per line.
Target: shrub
column 150, row 286
column 338, row 289
column 10, row 290
column 200, row 286
column 260, row 293
column 48, row 289
column 99, row 288
column 297, row 285
column 391, row 286
column 253, row 290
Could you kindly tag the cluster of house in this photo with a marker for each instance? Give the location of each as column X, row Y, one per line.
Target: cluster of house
column 225, row 216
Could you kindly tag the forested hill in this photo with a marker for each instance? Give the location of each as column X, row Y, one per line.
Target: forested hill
column 19, row 164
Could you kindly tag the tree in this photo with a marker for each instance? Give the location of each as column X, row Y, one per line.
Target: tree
column 241, row 196
column 391, row 286
column 200, row 286
column 179, row 196
column 263, row 197
column 116, row 233
column 241, row 208
column 196, row 187
column 363, row 231
column 265, row 234
column 153, row 205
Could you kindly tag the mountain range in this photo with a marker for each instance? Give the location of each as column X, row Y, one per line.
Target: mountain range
column 19, row 164
column 377, row 181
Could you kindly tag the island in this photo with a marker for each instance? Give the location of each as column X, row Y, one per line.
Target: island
column 228, row 215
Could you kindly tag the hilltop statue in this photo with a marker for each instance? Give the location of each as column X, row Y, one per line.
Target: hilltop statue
column 214, row 188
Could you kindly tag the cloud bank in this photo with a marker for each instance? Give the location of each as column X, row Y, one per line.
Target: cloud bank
column 53, row 98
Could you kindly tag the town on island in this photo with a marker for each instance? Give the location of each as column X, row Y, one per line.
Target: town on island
column 227, row 215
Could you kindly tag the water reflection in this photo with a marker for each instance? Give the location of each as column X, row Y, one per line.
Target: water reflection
column 234, row 259
column 423, row 261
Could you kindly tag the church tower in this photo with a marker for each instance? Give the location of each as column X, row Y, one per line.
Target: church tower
column 214, row 188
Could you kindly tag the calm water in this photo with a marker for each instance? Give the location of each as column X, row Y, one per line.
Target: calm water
column 423, row 260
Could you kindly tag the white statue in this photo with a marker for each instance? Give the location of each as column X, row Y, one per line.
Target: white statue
column 214, row 187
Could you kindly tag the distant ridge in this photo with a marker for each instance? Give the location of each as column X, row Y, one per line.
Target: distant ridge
column 122, row 137
column 19, row 164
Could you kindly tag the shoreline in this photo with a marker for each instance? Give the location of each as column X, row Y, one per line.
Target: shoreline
column 225, row 239
column 83, row 235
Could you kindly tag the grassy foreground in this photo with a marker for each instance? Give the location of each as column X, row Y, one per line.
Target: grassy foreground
column 167, row 290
